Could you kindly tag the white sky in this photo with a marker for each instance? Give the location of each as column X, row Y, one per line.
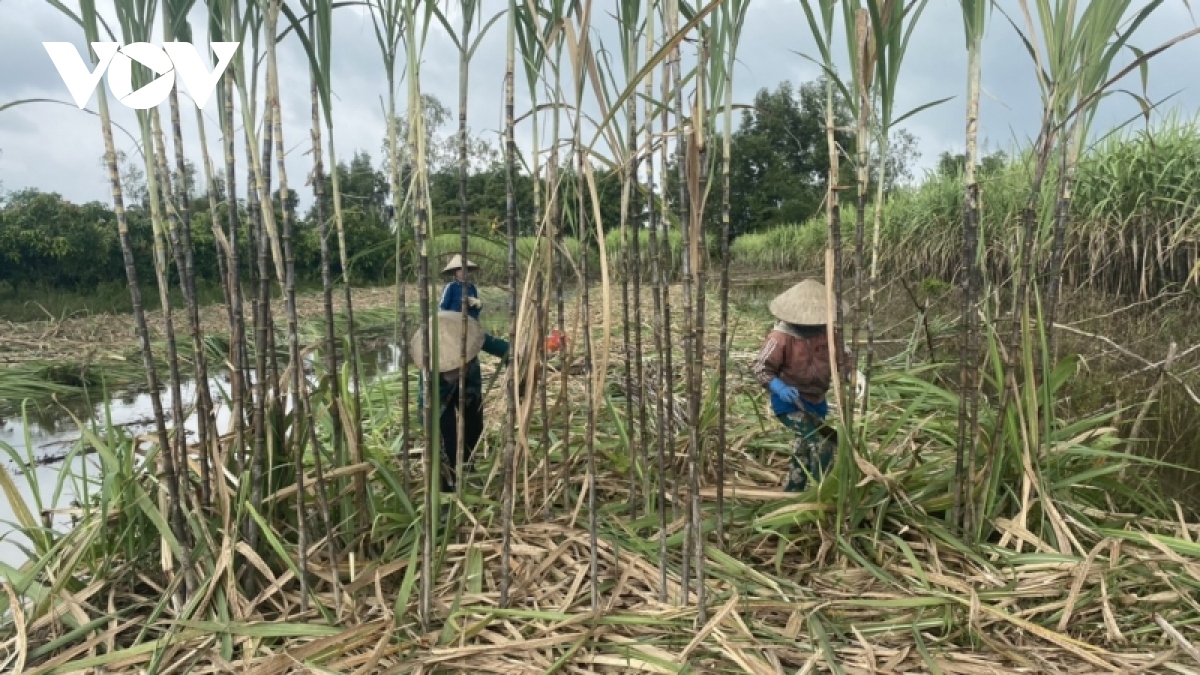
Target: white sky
column 58, row 148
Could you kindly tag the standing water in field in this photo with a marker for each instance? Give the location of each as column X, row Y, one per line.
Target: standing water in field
column 45, row 433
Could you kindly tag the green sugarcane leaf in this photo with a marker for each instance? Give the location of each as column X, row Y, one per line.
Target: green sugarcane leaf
column 920, row 108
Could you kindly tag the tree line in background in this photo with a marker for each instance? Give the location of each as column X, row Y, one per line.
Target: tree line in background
column 777, row 176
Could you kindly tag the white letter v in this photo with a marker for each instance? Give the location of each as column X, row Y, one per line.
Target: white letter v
column 199, row 81
column 80, row 82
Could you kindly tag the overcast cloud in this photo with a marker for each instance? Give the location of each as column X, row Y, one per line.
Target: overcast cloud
column 58, row 147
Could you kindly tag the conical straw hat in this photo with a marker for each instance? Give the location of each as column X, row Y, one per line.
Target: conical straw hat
column 449, row 336
column 457, row 262
column 803, row 304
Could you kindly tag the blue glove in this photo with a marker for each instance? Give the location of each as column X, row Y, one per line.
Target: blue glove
column 785, row 392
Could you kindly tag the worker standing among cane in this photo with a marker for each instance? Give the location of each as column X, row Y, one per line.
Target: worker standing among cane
column 448, row 331
column 458, row 295
column 794, row 365
column 460, row 288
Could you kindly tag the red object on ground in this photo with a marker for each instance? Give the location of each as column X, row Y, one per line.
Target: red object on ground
column 555, row 342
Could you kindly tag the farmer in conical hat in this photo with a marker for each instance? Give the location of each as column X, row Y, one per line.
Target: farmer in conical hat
column 459, row 290
column 794, row 365
column 449, row 334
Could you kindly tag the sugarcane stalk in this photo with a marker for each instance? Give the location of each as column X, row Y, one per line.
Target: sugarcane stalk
column 88, row 17
column 294, row 444
column 238, row 350
column 514, row 381
column 176, row 247
column 563, row 404
column 187, row 275
column 260, row 313
column 865, row 50
column 688, row 279
column 723, row 348
column 386, row 12
column 627, row 20
column 174, row 446
column 583, row 228
column 667, row 274
column 468, row 15
column 964, row 509
column 319, row 28
column 224, row 253
column 661, row 347
column 636, row 256
column 696, row 176
column 429, row 345
column 355, row 441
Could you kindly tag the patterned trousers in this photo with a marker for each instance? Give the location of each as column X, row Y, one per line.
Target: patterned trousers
column 812, row 454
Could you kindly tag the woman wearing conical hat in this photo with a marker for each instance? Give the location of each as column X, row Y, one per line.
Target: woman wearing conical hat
column 448, row 331
column 459, row 290
column 794, row 365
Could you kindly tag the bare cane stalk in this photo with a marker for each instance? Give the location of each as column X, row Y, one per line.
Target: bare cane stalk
column 974, row 15
column 514, row 353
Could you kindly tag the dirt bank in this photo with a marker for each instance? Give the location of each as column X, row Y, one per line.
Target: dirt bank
column 114, row 336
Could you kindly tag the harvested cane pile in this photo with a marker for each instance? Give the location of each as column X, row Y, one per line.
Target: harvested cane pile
column 921, row 606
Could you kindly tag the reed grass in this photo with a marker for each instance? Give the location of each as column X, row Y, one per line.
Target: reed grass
column 785, row 248
column 1133, row 229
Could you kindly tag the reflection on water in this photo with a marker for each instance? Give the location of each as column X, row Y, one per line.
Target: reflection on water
column 379, row 359
column 47, row 431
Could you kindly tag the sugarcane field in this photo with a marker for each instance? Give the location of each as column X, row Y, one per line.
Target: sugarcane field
column 638, row 336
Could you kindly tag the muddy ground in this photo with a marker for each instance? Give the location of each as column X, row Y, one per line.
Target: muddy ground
column 114, row 336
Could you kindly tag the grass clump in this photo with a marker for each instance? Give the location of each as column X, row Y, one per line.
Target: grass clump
column 1133, row 229
column 786, row 248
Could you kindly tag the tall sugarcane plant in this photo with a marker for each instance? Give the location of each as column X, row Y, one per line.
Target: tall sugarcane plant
column 578, row 36
column 508, row 485
column 174, row 535
column 629, row 21
column 823, row 35
column 470, row 12
column 324, row 27
column 387, row 16
column 417, row 18
column 1073, row 49
column 295, row 441
column 974, row 19
column 730, row 18
column 660, row 317
column 136, row 20
column 318, row 43
column 533, row 44
column 176, row 26
column 892, row 23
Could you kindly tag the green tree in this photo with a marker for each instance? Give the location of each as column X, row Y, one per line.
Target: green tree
column 902, row 157
column 133, row 181
column 369, row 239
column 953, row 164
column 47, row 241
column 779, row 160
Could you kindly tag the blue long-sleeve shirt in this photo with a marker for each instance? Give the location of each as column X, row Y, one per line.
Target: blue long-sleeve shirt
column 452, row 298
